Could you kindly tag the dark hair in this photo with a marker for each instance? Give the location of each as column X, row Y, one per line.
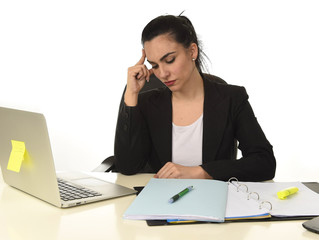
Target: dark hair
column 178, row 27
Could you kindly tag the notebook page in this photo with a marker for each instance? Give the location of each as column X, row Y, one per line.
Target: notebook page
column 240, row 207
column 303, row 203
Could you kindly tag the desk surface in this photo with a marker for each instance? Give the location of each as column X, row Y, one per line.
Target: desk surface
column 25, row 217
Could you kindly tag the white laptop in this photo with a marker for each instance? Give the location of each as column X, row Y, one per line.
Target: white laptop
column 36, row 173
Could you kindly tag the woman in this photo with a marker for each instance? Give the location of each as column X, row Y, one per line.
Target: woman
column 186, row 129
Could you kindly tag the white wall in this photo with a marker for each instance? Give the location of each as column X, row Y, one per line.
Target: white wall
column 68, row 59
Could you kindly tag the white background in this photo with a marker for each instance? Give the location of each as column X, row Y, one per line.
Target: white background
column 68, row 59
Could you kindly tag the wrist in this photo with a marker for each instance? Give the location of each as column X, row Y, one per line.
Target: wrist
column 201, row 173
column 130, row 98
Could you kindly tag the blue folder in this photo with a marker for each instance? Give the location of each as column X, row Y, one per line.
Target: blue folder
column 206, row 202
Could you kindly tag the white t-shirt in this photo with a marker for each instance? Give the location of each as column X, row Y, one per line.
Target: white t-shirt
column 187, row 143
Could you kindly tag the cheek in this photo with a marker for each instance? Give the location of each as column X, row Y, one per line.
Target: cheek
column 183, row 68
column 179, row 68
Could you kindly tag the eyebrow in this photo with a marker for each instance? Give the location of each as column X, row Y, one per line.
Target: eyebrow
column 162, row 58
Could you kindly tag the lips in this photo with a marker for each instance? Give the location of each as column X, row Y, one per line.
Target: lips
column 169, row 83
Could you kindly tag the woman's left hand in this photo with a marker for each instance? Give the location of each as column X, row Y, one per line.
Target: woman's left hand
column 172, row 170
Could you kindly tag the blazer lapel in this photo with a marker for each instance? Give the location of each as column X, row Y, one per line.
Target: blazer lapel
column 214, row 120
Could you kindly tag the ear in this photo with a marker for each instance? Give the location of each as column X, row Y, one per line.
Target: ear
column 193, row 49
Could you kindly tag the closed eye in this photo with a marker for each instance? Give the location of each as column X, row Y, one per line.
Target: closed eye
column 170, row 61
column 154, row 66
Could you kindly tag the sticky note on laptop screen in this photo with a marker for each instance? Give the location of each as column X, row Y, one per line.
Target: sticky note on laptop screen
column 17, row 156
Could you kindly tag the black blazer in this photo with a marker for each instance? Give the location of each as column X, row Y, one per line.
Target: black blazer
column 144, row 134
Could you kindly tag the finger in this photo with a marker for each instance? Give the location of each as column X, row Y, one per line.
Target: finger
column 149, row 73
column 161, row 171
column 136, row 71
column 142, row 60
column 166, row 171
column 145, row 72
column 142, row 73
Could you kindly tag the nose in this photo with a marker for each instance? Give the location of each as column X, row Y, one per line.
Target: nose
column 163, row 73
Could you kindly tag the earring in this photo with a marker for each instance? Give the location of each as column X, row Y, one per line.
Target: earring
column 193, row 59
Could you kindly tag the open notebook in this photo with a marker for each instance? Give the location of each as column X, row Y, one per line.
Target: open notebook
column 248, row 200
column 217, row 201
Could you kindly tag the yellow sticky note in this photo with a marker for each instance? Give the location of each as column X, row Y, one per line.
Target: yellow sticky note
column 17, row 156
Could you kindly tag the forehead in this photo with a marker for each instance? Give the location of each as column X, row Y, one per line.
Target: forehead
column 159, row 46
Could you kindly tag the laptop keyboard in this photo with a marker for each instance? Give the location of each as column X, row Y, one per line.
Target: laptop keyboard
column 70, row 192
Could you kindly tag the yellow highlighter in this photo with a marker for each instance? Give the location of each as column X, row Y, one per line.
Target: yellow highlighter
column 283, row 194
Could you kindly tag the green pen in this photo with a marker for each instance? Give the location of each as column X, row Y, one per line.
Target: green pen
column 181, row 194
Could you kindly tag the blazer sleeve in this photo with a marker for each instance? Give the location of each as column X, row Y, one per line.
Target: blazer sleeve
column 132, row 142
column 258, row 161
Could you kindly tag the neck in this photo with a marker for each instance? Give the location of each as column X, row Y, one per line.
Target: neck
column 193, row 89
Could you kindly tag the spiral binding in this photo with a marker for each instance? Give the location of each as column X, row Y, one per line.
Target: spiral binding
column 250, row 195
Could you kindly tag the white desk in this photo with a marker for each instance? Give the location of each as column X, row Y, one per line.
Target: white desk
column 23, row 217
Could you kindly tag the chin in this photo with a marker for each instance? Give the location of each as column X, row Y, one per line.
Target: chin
column 174, row 88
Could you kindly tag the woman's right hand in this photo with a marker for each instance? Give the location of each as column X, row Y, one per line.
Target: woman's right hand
column 136, row 77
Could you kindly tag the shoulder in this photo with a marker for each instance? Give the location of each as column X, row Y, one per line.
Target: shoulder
column 216, row 85
column 156, row 95
column 232, row 91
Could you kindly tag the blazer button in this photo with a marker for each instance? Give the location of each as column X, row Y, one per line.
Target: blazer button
column 125, row 127
column 126, row 115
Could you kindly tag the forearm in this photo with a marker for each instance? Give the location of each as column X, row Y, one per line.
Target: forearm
column 130, row 98
column 255, row 167
column 200, row 173
column 131, row 141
